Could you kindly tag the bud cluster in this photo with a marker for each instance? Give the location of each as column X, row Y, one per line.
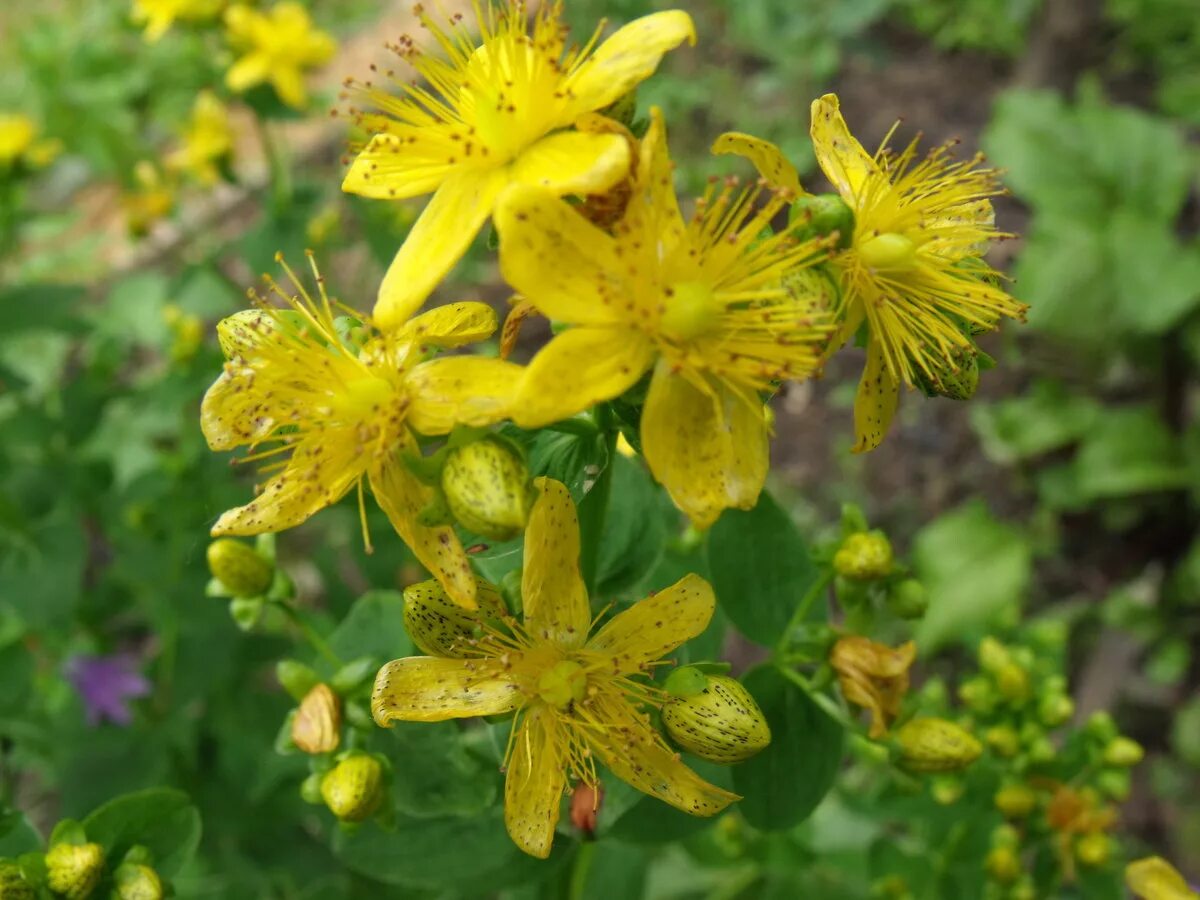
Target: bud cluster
column 76, row 868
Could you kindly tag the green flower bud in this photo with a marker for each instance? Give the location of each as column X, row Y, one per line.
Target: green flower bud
column 1055, row 710
column 310, row 789
column 993, row 655
column 1123, row 752
column 13, row 885
column 239, row 567
column 486, row 484
column 936, row 745
column 135, row 881
column 947, row 790
column 864, row 556
column 1015, row 801
column 74, row 870
column 1115, row 784
column 353, row 789
column 1023, row 890
column 1006, row 836
column 956, row 378
column 1012, row 682
column 439, row 626
column 1094, row 849
column 908, row 599
column 721, row 722
column 295, row 677
column 1100, row 725
column 979, row 695
column 1003, row 865
column 820, row 215
column 1041, row 750
column 1004, row 740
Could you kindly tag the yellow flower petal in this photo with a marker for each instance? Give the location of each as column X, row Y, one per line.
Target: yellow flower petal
column 460, row 390
column 562, row 263
column 433, row 689
column 706, row 445
column 552, row 589
column 452, row 325
column 533, row 789
column 408, row 164
column 571, row 162
column 1153, row 878
column 288, row 82
column 765, row 157
column 875, row 405
column 628, row 57
column 402, row 497
column 636, row 754
column 320, row 472
column 841, row 157
column 249, row 71
column 654, row 207
column 577, row 369
column 436, row 242
column 653, row 627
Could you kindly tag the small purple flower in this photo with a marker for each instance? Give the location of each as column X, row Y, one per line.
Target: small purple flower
column 107, row 684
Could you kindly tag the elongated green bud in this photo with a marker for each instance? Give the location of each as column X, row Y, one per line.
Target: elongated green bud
column 936, row 745
column 1123, row 753
column 439, row 626
column 721, row 723
column 74, row 870
column 135, row 881
column 486, row 484
column 353, row 789
column 13, row 885
column 864, row 556
column 239, row 567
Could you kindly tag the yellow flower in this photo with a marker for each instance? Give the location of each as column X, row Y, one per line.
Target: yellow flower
column 277, row 47
column 1153, row 878
column 873, row 676
column 493, row 115
column 577, row 697
column 18, row 142
column 151, row 199
column 702, row 303
column 340, row 414
column 207, row 140
column 160, row 15
column 913, row 267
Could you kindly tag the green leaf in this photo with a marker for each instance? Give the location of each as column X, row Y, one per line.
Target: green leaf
column 973, row 567
column 43, row 584
column 435, row 775
column 373, row 627
column 783, row 784
column 161, row 819
column 17, row 835
column 760, row 568
column 634, row 530
column 1044, row 419
column 1129, row 451
column 1157, row 280
column 614, row 870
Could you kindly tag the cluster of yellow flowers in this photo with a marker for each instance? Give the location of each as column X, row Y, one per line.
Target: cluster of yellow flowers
column 512, row 123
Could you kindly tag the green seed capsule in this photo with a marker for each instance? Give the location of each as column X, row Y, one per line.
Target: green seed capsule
column 135, row 881
column 486, row 484
column 239, row 567
column 353, row 789
column 930, row 744
column 74, row 870
column 721, row 723
column 439, row 626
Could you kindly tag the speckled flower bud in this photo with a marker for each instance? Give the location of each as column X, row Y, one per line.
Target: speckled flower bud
column 317, row 725
column 864, row 556
column 239, row 567
column 74, row 870
column 721, row 723
column 929, row 744
column 439, row 626
column 13, row 885
column 135, row 881
column 486, row 484
column 1123, row 752
column 353, row 789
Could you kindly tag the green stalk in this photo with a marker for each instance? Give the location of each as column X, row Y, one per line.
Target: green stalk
column 310, row 633
column 801, row 612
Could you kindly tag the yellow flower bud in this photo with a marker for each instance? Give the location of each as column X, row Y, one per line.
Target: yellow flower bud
column 1153, row 878
column 1094, row 849
column 135, row 881
column 1004, row 740
column 13, row 885
column 317, row 725
column 993, row 655
column 929, row 744
column 864, row 556
column 947, row 790
column 439, row 626
column 1123, row 753
column 1015, row 801
column 1055, row 710
column 1003, row 865
column 1012, row 682
column 353, row 789
column 239, row 567
column 721, row 723
column 74, row 870
column 486, row 484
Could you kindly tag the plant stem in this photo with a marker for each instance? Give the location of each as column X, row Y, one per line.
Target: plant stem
column 580, row 867
column 277, row 166
column 802, row 608
column 310, row 633
column 830, row 708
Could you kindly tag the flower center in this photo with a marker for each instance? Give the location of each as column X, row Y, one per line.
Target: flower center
column 889, row 250
column 691, row 311
column 562, row 684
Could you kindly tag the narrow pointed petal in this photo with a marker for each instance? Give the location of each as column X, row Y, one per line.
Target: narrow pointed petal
column 629, row 57
column 533, row 789
column 577, row 369
column 841, row 157
column 461, row 390
column 636, row 754
column 552, row 589
column 652, row 628
column 654, row 206
column 875, row 404
column 433, row 689
column 395, row 166
column 247, row 72
column 767, row 158
column 452, row 325
column 402, row 497
column 288, row 82
column 438, row 240
column 321, row 470
column 572, row 162
column 562, row 263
